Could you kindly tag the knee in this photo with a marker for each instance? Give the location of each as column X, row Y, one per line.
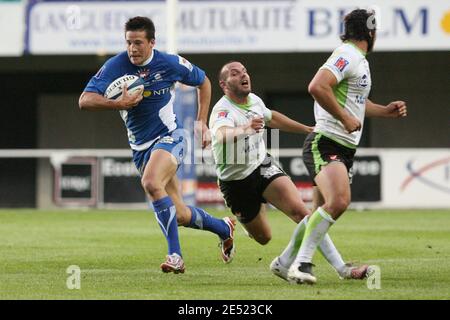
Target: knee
column 183, row 217
column 339, row 204
column 298, row 213
column 182, row 221
column 152, row 187
column 263, row 239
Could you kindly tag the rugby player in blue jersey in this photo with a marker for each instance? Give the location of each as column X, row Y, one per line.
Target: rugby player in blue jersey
column 154, row 133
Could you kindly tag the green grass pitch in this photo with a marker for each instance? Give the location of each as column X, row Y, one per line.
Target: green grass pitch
column 119, row 253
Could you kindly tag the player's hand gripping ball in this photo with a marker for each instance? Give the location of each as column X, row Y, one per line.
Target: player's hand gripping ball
column 133, row 83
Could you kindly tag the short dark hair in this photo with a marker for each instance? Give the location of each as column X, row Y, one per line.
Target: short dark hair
column 222, row 73
column 358, row 25
column 141, row 24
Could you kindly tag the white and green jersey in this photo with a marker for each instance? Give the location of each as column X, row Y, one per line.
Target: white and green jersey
column 351, row 69
column 235, row 160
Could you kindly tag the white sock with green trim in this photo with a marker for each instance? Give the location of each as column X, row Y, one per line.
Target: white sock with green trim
column 290, row 252
column 326, row 248
column 318, row 225
column 329, row 251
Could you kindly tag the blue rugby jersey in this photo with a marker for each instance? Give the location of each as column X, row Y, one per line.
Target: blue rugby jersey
column 153, row 117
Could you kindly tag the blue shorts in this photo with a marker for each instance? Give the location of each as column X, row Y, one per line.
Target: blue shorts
column 175, row 144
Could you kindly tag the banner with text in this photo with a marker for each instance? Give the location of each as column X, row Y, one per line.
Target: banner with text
column 121, row 182
column 382, row 178
column 76, row 182
column 93, row 27
column 366, row 186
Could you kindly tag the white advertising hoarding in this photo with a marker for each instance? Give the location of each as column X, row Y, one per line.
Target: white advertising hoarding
column 90, row 27
column 74, row 27
column 416, row 178
column 401, row 24
column 383, row 178
column 12, row 28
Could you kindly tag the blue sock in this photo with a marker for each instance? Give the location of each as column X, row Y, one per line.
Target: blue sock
column 165, row 213
column 201, row 219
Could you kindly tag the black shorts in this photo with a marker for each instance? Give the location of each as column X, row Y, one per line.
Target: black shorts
column 244, row 197
column 318, row 151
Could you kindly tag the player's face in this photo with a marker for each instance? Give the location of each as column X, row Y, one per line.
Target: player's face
column 238, row 80
column 139, row 48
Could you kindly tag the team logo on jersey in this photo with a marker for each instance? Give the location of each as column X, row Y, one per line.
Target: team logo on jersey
column 360, row 99
column 222, row 114
column 341, row 63
column 143, row 73
column 363, row 81
column 99, row 72
column 156, row 93
column 156, row 76
column 185, row 63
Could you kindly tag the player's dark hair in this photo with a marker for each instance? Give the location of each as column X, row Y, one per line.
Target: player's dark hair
column 360, row 25
column 141, row 24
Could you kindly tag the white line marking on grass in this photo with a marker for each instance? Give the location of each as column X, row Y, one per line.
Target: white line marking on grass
column 407, row 259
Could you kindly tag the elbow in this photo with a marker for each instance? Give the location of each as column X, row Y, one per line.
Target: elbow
column 314, row 88
column 82, row 102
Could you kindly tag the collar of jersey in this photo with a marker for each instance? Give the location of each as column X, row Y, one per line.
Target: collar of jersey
column 244, row 106
column 356, row 47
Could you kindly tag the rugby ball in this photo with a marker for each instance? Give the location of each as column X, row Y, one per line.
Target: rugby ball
column 134, row 83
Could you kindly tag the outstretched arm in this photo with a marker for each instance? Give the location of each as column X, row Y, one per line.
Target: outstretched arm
column 395, row 109
column 282, row 122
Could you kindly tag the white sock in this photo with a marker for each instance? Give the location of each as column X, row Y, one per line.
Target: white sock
column 330, row 253
column 290, row 252
column 326, row 248
column 318, row 225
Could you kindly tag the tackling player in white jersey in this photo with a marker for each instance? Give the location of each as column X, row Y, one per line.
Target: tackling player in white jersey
column 248, row 176
column 340, row 89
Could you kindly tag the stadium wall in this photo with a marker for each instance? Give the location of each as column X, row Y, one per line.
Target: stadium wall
column 41, row 86
column 43, row 112
column 421, row 78
column 106, row 178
